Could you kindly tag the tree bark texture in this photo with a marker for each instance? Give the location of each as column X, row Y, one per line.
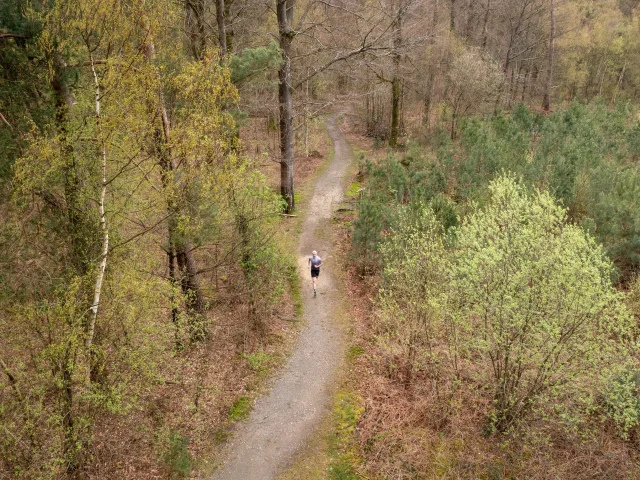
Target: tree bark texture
column 431, row 78
column 222, row 34
column 513, row 36
column 228, row 27
column 196, row 27
column 468, row 29
column 285, row 19
column 396, row 83
column 396, row 92
column 485, row 31
column 70, row 445
column 546, row 102
column 97, row 291
column 452, row 16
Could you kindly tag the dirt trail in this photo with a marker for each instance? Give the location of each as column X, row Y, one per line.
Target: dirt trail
column 283, row 420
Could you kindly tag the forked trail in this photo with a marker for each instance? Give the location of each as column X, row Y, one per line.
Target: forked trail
column 284, row 420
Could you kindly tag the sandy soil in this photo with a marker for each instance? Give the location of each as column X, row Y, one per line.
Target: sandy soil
column 282, row 421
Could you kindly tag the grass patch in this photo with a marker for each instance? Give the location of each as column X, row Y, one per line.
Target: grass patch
column 258, row 361
column 354, row 352
column 240, row 409
column 220, row 436
column 354, row 189
column 295, row 289
column 177, row 457
column 331, row 455
column 343, row 460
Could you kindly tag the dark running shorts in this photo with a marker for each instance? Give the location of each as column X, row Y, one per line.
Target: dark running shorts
column 315, row 272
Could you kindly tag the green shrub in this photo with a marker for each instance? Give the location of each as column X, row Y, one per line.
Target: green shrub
column 531, row 300
column 414, row 259
column 257, row 361
column 367, row 231
column 241, row 409
column 177, row 457
column 347, row 411
column 622, row 402
column 522, row 299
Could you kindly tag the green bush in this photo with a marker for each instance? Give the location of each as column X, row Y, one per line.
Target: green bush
column 367, row 232
column 531, row 302
column 241, row 409
column 522, row 302
column 177, row 457
column 622, row 402
column 414, row 260
column 347, row 410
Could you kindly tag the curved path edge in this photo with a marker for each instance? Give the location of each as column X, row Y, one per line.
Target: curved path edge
column 284, row 419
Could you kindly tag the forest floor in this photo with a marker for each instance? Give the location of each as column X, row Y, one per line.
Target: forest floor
column 282, row 421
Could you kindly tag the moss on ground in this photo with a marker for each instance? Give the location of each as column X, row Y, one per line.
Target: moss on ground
column 343, row 458
column 240, row 409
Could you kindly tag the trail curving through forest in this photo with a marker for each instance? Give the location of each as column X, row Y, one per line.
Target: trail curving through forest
column 282, row 421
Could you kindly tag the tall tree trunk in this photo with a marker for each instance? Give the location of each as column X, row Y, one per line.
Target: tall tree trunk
column 284, row 10
column 620, row 79
column 515, row 84
column 395, row 111
column 431, row 78
column 546, row 102
column 229, row 33
column 468, row 29
column 533, row 80
column 97, row 291
column 525, row 84
column 171, row 259
column 80, row 240
column 452, row 16
column 222, row 34
column 396, row 87
column 428, row 99
column 306, row 117
column 242, row 226
column 513, row 35
column 485, row 30
column 79, row 235
column 196, row 27
column 179, row 249
column 71, row 441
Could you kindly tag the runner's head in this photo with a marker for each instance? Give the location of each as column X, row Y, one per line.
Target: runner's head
column 314, row 253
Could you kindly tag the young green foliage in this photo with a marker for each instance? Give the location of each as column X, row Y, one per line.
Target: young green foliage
column 531, row 301
column 414, row 275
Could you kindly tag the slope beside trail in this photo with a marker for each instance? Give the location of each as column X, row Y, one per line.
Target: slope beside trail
column 283, row 420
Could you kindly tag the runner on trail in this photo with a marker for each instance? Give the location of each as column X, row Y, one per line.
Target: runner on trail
column 315, row 261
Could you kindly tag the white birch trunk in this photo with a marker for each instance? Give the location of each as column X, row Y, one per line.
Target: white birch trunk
column 103, row 220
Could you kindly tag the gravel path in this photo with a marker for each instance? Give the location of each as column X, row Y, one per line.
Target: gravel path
column 283, row 420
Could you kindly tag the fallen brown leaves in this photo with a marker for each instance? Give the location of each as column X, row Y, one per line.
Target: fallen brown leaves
column 193, row 398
